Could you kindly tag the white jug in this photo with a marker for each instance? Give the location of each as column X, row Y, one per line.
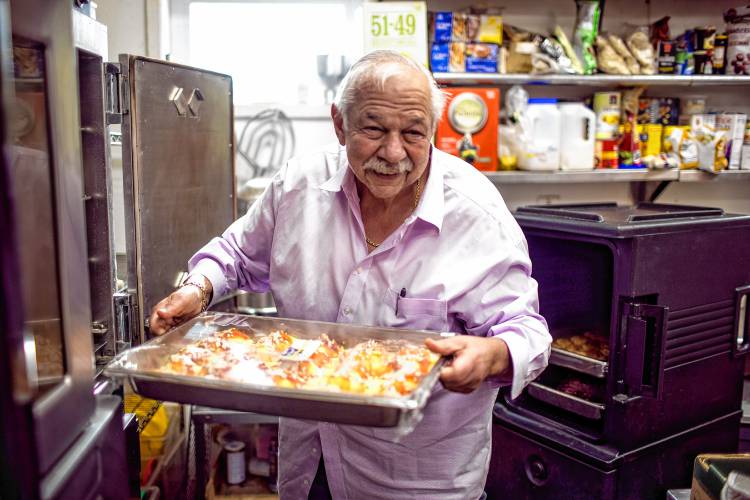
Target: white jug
column 577, row 140
column 541, row 123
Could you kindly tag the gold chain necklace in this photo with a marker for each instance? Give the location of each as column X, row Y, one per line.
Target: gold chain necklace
column 416, row 202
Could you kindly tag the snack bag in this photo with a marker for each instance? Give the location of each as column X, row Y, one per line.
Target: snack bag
column 681, row 145
column 711, row 149
column 584, row 33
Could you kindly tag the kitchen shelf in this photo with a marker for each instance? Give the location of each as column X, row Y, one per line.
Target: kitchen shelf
column 568, row 177
column 590, row 80
column 724, row 176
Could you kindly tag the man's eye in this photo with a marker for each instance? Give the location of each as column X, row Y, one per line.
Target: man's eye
column 373, row 129
column 414, row 133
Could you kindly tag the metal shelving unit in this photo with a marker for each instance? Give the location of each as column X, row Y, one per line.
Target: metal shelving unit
column 570, row 177
column 590, row 80
column 724, row 176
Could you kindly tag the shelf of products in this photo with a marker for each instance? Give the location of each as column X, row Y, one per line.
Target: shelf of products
column 590, row 80
column 614, row 175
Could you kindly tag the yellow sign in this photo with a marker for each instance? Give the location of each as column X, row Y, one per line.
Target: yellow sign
column 399, row 26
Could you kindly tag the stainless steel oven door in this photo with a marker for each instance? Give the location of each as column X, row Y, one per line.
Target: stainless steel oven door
column 178, row 170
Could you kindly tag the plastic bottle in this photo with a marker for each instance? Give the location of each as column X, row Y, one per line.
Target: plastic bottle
column 577, row 140
column 541, row 124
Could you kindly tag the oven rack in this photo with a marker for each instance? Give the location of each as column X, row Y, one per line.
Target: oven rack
column 579, row 363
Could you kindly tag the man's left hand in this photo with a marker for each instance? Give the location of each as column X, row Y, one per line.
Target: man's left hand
column 474, row 359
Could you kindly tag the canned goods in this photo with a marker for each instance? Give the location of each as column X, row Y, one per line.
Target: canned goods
column 606, row 153
column 235, row 454
column 607, row 106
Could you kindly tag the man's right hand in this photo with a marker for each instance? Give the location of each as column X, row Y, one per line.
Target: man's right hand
column 180, row 306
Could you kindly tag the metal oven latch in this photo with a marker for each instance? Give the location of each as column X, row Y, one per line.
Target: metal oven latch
column 645, row 339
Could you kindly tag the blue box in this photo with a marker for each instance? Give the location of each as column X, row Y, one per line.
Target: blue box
column 481, row 58
column 442, row 27
column 439, row 57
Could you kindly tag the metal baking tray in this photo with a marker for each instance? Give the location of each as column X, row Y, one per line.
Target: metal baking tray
column 566, row 401
column 138, row 366
column 579, row 363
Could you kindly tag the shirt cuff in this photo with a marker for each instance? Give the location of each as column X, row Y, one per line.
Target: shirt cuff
column 518, row 351
column 213, row 273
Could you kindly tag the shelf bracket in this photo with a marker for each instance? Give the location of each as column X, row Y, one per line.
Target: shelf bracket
column 641, row 191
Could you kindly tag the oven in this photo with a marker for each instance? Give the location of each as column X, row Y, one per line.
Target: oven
column 647, row 309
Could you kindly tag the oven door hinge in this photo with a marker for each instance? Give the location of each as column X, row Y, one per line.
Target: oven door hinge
column 644, row 342
column 126, row 312
column 116, row 93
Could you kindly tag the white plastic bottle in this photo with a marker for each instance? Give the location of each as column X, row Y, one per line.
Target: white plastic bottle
column 577, row 140
column 541, row 150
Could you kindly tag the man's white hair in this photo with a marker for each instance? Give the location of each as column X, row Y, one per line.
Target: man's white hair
column 376, row 68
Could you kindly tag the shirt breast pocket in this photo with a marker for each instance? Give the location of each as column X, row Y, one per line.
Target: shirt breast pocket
column 418, row 313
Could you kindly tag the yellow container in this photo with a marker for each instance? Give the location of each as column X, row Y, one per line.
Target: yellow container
column 651, row 141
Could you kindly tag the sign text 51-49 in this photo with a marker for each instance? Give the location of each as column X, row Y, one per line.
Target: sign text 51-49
column 404, row 25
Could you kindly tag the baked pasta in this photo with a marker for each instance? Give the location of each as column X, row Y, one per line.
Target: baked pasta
column 375, row 367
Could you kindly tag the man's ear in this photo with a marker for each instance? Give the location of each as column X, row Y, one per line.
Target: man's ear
column 338, row 124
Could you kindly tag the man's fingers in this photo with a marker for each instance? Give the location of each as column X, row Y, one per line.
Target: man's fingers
column 445, row 347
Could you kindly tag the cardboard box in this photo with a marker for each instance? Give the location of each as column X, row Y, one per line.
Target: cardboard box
column 468, row 128
column 734, row 124
column 448, row 27
column 650, row 136
column 745, row 159
column 459, row 57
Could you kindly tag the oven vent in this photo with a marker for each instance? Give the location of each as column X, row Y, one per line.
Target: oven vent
column 699, row 332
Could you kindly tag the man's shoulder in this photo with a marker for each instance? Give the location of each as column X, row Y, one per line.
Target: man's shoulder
column 470, row 185
column 313, row 168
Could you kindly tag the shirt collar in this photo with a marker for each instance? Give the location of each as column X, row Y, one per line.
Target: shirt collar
column 432, row 200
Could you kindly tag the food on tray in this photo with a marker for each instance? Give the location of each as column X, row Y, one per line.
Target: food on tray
column 579, row 388
column 373, row 367
column 589, row 344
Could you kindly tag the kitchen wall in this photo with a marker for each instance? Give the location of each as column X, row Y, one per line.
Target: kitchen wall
column 131, row 31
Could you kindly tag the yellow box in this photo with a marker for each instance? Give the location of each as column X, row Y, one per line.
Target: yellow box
column 650, row 136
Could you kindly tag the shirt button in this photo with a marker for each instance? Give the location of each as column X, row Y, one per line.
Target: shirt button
column 314, row 451
column 306, row 482
column 347, row 310
column 359, row 270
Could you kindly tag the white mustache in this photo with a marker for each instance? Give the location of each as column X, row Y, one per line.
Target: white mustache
column 383, row 167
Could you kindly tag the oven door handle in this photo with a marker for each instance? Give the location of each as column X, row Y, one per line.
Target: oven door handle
column 741, row 344
column 646, row 334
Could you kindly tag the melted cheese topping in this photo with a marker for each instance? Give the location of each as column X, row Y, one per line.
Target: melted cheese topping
column 373, row 367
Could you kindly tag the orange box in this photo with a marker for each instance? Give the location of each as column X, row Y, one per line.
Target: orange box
column 468, row 128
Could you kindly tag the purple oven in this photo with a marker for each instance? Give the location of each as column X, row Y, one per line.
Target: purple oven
column 647, row 308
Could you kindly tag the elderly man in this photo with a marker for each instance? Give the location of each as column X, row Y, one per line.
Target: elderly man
column 385, row 230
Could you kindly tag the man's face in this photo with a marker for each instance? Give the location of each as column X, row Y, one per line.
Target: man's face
column 387, row 134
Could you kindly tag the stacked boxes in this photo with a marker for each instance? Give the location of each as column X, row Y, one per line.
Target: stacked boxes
column 464, row 43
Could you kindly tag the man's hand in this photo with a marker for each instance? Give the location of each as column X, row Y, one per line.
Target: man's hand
column 181, row 305
column 474, row 359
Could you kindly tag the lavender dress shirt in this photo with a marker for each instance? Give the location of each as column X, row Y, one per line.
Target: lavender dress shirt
column 464, row 263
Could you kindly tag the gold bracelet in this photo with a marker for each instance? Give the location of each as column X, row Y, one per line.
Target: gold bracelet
column 204, row 293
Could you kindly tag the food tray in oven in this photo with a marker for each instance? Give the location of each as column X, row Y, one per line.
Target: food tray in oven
column 579, row 363
column 144, row 368
column 569, row 402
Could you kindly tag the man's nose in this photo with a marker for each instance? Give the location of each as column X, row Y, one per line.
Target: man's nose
column 392, row 149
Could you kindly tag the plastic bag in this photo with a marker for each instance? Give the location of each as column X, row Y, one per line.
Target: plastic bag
column 575, row 63
column 711, row 148
column 643, row 52
column 619, row 46
column 609, row 60
column 584, row 33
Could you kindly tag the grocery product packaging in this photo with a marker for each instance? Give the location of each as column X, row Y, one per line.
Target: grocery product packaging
column 648, row 110
column 711, row 148
column 608, row 60
column 607, row 106
column 448, row 57
column 469, row 126
column 481, row 58
column 669, row 111
column 681, row 146
column 745, row 157
column 542, row 127
column 605, row 153
column 650, row 139
column 734, row 126
column 738, row 41
column 665, row 56
column 641, row 48
column 577, row 136
column 460, row 27
column 630, row 149
column 584, row 33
